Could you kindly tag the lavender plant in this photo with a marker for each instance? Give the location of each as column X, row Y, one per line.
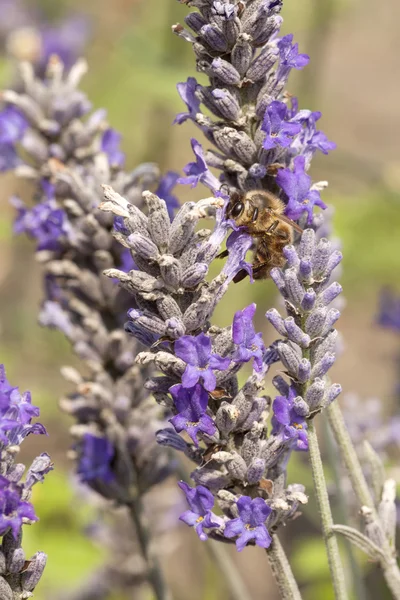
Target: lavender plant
column 66, row 154
column 18, row 576
column 197, row 371
column 262, row 141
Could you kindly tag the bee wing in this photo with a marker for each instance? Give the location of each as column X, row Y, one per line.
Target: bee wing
column 288, row 221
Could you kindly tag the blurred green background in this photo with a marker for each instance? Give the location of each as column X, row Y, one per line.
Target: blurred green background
column 135, row 62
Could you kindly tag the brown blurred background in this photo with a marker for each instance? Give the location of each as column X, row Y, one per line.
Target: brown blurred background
column 135, row 63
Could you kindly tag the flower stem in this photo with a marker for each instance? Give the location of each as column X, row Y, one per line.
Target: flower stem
column 331, row 544
column 388, row 564
column 232, row 576
column 154, row 574
column 282, row 571
column 354, row 571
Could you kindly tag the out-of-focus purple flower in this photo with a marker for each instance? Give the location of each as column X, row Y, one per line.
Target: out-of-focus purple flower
column 297, row 186
column 44, row 222
column 52, row 315
column 12, row 125
column 278, row 129
column 200, row 501
column 187, row 91
column 191, row 405
column 12, row 128
column 110, row 145
column 165, row 187
column 250, row 525
column 287, row 422
column 196, row 352
column 198, row 172
column 66, row 40
column 12, row 509
column 290, row 57
column 389, row 310
column 249, row 343
column 96, row 455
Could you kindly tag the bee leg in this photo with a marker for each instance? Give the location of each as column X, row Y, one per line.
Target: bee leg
column 240, row 275
column 272, row 227
column 223, row 254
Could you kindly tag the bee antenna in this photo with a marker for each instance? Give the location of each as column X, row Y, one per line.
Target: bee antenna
column 222, row 186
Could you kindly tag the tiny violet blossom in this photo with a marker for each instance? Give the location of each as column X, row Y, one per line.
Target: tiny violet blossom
column 289, row 55
column 187, row 91
column 250, row 525
column 249, row 343
column 198, row 172
column 95, row 459
column 164, row 191
column 110, row 145
column 191, row 405
column 279, row 131
column 12, row 508
column 45, row 222
column 288, row 423
column 200, row 501
column 296, row 185
column 16, row 510
column 200, row 362
column 12, row 125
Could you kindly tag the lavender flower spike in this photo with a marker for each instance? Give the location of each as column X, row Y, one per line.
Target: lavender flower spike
column 226, row 424
column 309, row 338
column 260, row 139
column 16, row 413
column 70, row 154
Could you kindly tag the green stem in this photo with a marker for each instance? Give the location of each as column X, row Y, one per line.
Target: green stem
column 282, row 571
column 331, row 544
column 154, row 574
column 388, row 564
column 354, row 573
column 229, row 570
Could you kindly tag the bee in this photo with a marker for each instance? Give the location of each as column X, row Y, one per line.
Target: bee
column 261, row 213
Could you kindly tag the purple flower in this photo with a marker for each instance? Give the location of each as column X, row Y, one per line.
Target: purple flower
column 196, row 352
column 165, row 187
column 187, row 91
column 191, row 405
column 296, row 185
column 287, row 423
column 249, row 343
column 67, row 41
column 16, row 413
column 200, row 501
column 96, row 455
column 12, row 508
column 290, row 57
column 110, row 146
column 238, row 244
column 44, row 222
column 12, row 128
column 12, row 125
column 279, row 130
column 389, row 310
column 52, row 315
column 250, row 525
column 198, row 172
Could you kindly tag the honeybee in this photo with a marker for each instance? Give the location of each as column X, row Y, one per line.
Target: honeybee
column 261, row 212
